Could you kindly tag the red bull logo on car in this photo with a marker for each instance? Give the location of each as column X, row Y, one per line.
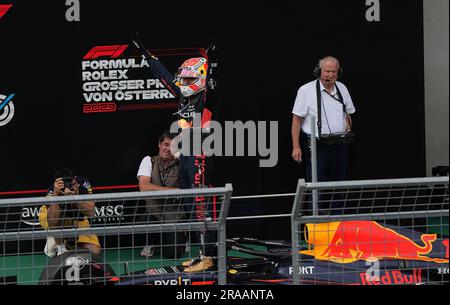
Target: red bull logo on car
column 393, row 277
column 350, row 241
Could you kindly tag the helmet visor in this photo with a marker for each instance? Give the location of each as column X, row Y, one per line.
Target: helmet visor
column 186, row 72
column 186, row 81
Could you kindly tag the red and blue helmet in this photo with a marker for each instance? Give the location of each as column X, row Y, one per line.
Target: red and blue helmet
column 191, row 76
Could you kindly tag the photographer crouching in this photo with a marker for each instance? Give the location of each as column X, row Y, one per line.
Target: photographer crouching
column 58, row 216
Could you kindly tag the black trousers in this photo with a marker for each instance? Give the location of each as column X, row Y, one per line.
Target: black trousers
column 332, row 160
column 332, row 165
column 195, row 172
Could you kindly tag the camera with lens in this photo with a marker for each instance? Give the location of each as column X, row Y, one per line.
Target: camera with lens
column 68, row 209
column 68, row 183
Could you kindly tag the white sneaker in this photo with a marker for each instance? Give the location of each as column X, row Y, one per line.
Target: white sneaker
column 60, row 249
column 187, row 248
column 50, row 247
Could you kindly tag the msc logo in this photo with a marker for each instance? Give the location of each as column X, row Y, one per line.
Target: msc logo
column 108, row 213
column 4, row 8
column 6, row 109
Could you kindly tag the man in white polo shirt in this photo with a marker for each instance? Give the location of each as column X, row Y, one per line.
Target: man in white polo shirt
column 336, row 107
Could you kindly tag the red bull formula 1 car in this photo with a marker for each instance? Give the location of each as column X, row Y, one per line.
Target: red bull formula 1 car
column 336, row 253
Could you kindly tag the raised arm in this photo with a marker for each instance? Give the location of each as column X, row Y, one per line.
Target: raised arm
column 212, row 84
column 158, row 69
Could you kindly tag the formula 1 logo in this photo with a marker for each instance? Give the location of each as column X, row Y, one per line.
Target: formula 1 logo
column 6, row 109
column 4, row 8
column 112, row 51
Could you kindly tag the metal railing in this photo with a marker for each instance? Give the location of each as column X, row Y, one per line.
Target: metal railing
column 373, row 222
column 179, row 211
column 331, row 248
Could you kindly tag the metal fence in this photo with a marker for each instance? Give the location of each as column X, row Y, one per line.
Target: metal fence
column 371, row 232
column 353, row 232
column 153, row 234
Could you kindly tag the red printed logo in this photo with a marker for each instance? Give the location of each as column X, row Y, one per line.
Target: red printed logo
column 4, row 8
column 394, row 277
column 96, row 108
column 105, row 51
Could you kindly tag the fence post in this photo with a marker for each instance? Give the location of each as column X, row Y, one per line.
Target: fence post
column 297, row 209
column 314, row 166
column 222, row 247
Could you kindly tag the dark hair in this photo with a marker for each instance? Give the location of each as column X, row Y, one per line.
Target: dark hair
column 63, row 172
column 166, row 134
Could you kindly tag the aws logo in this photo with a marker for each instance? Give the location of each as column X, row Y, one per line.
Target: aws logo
column 30, row 215
column 4, row 8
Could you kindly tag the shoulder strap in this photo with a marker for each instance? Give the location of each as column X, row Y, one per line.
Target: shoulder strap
column 341, row 98
column 319, row 99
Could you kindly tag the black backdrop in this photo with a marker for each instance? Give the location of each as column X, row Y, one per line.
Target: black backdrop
column 267, row 52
